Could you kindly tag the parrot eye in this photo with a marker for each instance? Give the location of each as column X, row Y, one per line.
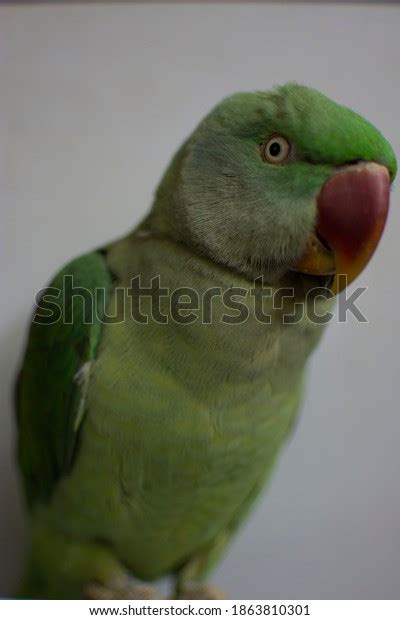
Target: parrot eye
column 275, row 150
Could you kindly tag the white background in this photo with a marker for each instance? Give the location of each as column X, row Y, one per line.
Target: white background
column 93, row 102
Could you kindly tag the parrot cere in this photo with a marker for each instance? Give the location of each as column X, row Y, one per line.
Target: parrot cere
column 164, row 372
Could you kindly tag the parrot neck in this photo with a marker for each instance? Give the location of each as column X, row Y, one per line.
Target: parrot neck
column 231, row 337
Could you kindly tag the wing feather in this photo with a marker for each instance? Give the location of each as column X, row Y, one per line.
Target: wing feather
column 52, row 384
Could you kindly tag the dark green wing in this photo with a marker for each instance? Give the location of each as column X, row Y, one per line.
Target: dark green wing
column 50, row 393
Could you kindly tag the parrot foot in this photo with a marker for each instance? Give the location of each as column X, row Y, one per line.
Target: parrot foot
column 193, row 591
column 133, row 592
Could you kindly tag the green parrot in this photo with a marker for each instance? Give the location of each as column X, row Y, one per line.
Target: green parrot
column 164, row 371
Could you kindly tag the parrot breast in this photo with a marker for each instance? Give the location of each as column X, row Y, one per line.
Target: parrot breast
column 183, row 423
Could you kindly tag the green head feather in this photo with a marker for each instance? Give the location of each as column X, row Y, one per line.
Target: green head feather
column 223, row 199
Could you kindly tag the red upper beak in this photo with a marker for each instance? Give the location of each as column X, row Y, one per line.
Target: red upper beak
column 352, row 211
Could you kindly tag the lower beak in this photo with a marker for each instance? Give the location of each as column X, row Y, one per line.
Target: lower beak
column 352, row 208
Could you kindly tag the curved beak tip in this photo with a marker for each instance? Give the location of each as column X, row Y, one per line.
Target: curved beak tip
column 352, row 209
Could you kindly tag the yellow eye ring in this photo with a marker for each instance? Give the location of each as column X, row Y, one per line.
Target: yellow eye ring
column 275, row 150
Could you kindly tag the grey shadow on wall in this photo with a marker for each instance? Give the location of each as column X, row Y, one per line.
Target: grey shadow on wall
column 13, row 521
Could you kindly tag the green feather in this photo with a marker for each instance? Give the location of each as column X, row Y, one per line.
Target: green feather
column 50, row 394
column 149, row 466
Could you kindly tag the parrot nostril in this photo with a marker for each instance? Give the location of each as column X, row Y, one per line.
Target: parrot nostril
column 349, row 163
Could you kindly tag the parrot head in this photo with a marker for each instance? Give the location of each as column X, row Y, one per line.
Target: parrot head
column 282, row 181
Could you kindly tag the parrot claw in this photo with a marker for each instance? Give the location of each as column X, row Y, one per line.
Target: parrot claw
column 199, row 592
column 133, row 592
